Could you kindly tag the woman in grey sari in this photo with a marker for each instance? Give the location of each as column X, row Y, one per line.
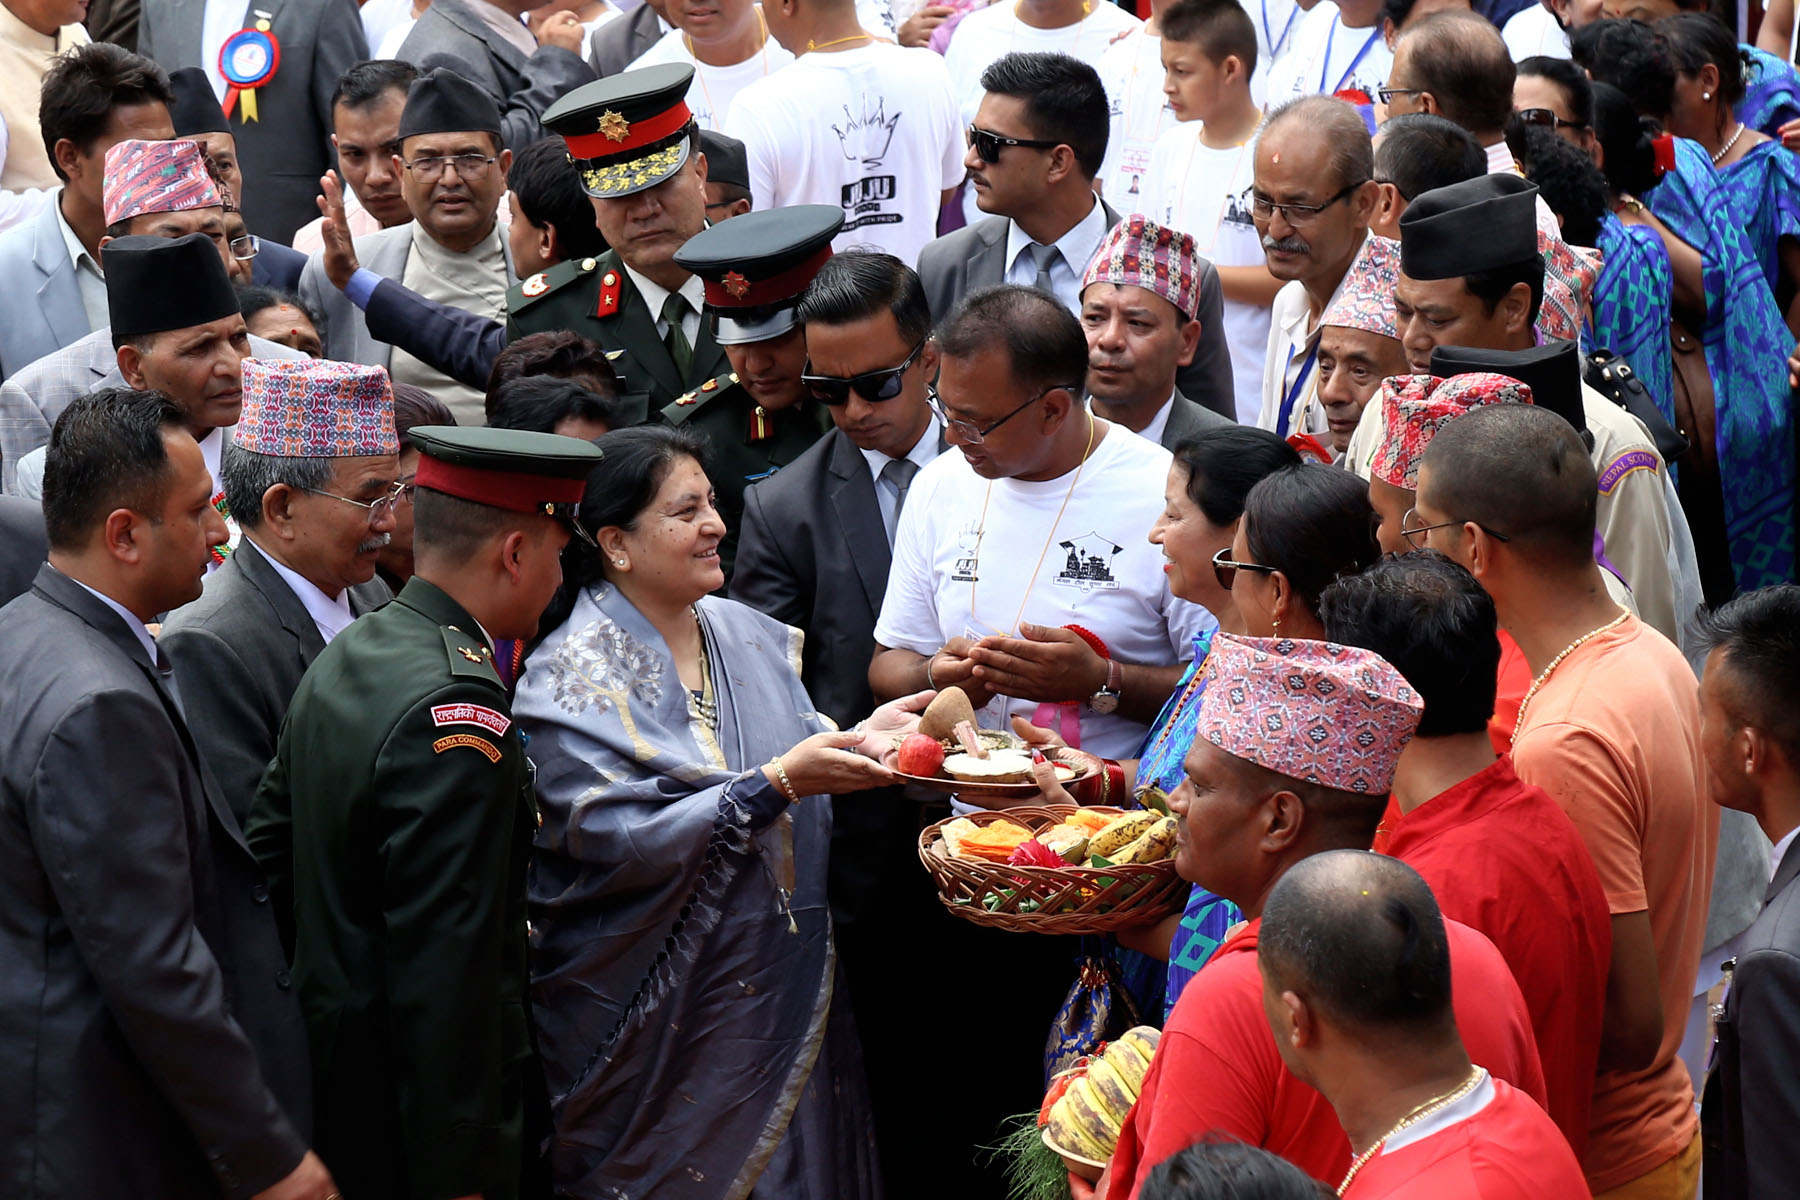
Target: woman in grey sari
column 683, row 970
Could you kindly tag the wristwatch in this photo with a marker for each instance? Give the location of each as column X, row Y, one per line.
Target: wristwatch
column 1106, row 700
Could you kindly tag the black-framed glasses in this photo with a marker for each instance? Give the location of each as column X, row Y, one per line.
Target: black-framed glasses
column 873, row 386
column 1298, row 215
column 468, row 166
column 244, row 248
column 1225, row 568
column 1545, row 119
column 1415, row 534
column 377, row 508
column 1386, row 94
column 973, row 434
column 989, row 144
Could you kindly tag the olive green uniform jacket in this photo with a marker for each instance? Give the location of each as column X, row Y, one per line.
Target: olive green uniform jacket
column 394, row 824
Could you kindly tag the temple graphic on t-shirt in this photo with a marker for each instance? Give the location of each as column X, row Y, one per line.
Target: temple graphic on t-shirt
column 865, row 139
column 1089, row 563
column 1237, row 210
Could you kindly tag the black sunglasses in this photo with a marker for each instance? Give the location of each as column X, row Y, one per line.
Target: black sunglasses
column 988, row 144
column 873, row 386
column 1546, row 119
column 1225, row 569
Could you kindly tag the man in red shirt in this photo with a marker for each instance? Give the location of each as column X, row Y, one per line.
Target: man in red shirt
column 1356, row 966
column 1293, row 756
column 1499, row 854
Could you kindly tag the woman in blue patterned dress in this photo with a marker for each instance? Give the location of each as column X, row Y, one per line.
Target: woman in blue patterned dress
column 1771, row 96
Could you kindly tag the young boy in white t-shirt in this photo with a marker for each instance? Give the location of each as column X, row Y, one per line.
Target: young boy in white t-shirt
column 1201, row 170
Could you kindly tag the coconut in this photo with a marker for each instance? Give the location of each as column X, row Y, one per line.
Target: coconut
column 941, row 715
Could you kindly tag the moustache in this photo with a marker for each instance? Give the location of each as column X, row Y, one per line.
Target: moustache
column 1287, row 245
column 379, row 541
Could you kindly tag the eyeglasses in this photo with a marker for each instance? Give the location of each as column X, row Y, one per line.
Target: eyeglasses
column 468, row 166
column 1386, row 94
column 974, row 435
column 1415, row 534
column 1546, row 119
column 1225, row 569
column 873, row 386
column 988, row 144
column 1298, row 215
column 245, row 247
column 378, row 508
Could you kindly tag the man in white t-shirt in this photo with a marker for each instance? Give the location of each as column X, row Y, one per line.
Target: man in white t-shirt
column 1338, row 50
column 728, row 45
column 1314, row 193
column 856, row 123
column 1200, row 174
column 1019, row 557
column 1131, row 70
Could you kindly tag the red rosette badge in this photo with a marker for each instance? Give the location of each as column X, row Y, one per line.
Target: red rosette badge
column 248, row 60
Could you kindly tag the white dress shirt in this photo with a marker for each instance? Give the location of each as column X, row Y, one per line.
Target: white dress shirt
column 1159, row 422
column 223, row 18
column 331, row 616
column 1780, row 851
column 887, row 493
column 656, row 295
column 88, row 279
column 1077, row 246
column 130, row 618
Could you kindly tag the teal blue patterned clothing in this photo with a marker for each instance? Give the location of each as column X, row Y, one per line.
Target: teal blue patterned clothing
column 1632, row 300
column 1763, row 188
column 1771, row 92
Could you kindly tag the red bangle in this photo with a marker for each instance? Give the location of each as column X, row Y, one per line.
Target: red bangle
column 1092, row 639
column 1115, row 775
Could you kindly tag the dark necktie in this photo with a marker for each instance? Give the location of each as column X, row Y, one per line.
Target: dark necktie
column 680, row 350
column 899, row 472
column 1044, row 256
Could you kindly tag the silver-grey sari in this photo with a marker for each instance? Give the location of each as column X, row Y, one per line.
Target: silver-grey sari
column 683, row 967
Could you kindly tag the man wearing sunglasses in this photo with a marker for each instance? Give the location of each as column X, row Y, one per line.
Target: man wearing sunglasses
column 757, row 416
column 1037, row 142
column 310, row 475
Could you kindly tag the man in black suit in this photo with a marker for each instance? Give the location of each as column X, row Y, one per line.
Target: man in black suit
column 22, row 546
column 1135, row 303
column 1037, row 142
column 152, row 1042
column 1750, row 737
column 617, row 44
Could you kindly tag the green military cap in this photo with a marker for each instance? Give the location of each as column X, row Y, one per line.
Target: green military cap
column 757, row 266
column 628, row 132
column 513, row 469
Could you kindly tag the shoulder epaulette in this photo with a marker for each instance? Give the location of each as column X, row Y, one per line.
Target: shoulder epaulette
column 469, row 656
column 686, row 405
column 547, row 283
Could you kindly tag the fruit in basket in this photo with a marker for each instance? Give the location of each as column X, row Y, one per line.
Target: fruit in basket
column 1109, row 1088
column 1120, row 832
column 920, row 755
column 1094, row 1102
column 940, row 716
column 1076, row 1124
column 1090, row 820
column 993, row 842
column 1153, row 845
column 1069, row 841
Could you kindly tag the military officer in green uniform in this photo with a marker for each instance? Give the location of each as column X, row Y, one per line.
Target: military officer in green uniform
column 394, row 824
column 758, row 417
column 637, row 149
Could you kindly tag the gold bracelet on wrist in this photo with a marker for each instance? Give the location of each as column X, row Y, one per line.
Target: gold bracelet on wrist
column 785, row 785
column 929, row 681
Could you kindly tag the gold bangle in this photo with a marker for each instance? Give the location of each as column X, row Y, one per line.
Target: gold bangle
column 786, row 785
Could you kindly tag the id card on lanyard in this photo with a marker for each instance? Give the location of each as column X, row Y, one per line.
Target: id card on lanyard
column 1325, row 67
column 1284, row 418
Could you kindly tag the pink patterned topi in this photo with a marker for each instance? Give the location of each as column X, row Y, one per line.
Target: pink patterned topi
column 1141, row 253
column 154, row 177
column 302, row 408
column 1415, row 407
column 1330, row 715
column 1365, row 299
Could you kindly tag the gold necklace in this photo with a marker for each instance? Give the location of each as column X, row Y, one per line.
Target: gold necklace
column 1557, row 662
column 857, row 37
column 1048, row 538
column 1418, row 1114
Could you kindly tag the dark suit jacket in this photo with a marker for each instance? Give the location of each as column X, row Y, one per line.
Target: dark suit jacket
column 1189, row 420
column 240, row 650
column 618, row 44
column 285, row 150
column 276, row 265
column 149, row 1036
column 450, row 35
column 1752, row 1097
column 975, row 257
column 22, row 545
column 460, row 344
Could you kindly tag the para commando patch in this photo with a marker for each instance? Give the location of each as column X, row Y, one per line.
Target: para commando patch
column 471, row 741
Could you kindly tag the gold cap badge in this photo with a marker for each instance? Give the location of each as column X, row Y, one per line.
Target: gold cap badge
column 614, row 126
column 736, row 284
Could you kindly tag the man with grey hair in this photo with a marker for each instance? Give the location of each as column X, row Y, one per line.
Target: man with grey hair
column 1312, row 198
column 310, row 474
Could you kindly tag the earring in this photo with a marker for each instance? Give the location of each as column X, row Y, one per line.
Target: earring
column 1278, row 626
column 1706, row 95
column 618, row 562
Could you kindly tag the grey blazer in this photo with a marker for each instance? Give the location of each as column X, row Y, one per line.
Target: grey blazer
column 239, row 652
column 31, row 401
column 152, row 1042
column 285, row 150
column 618, row 44
column 975, row 257
column 22, row 546
column 450, row 35
column 1189, row 420
column 40, row 306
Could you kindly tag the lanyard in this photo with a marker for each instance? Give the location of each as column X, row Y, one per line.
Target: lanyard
column 1325, row 69
column 1286, row 415
column 1276, row 43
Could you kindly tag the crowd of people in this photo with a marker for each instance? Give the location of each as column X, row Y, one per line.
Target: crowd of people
column 487, row 486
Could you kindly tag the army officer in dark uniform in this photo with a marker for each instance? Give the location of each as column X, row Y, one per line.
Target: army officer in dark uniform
column 394, row 825
column 637, row 150
column 758, row 416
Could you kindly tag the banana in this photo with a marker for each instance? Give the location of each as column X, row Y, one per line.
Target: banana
column 1143, row 1039
column 1077, row 1131
column 1128, row 1058
column 1120, row 832
column 1153, row 845
column 1086, row 1110
column 1110, row 1090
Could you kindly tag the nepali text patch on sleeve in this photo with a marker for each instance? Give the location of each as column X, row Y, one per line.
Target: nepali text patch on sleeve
column 494, row 722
